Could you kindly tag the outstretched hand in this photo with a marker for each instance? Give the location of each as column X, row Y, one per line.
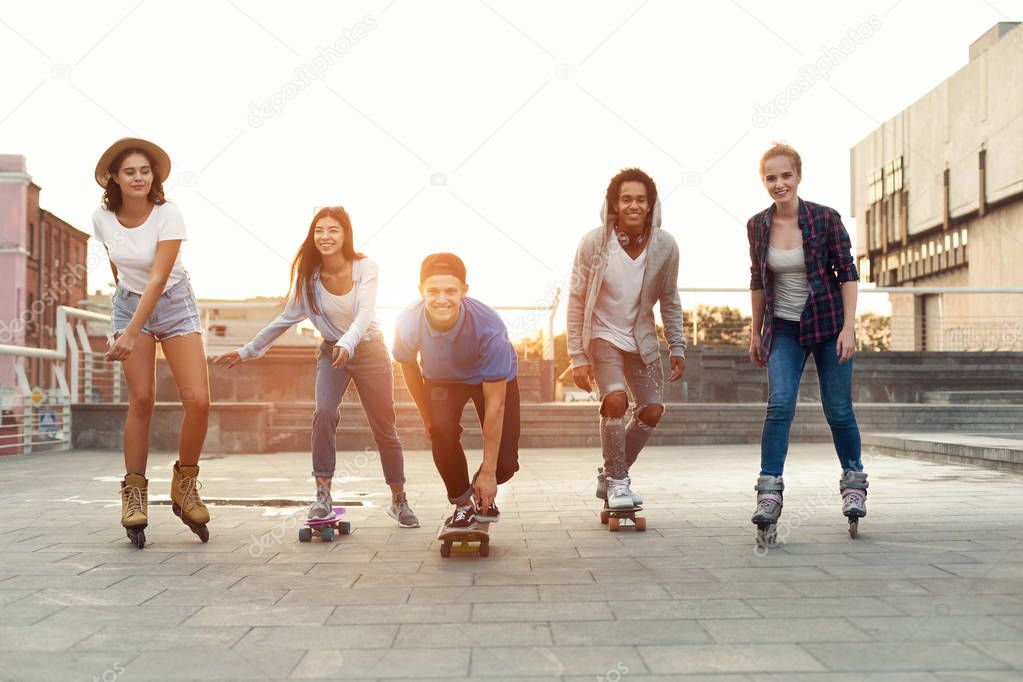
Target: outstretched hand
column 230, row 358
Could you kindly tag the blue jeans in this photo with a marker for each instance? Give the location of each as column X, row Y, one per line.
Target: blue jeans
column 784, row 370
column 370, row 368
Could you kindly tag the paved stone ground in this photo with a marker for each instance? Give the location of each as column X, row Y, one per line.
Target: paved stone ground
column 932, row 589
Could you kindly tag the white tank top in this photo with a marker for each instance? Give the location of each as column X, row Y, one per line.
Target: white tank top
column 790, row 288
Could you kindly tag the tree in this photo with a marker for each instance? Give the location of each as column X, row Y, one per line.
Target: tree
column 873, row 332
column 721, row 326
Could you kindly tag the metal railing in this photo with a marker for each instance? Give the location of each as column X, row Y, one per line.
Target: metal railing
column 38, row 418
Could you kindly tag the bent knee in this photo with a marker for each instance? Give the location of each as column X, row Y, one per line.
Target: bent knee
column 614, row 405
column 651, row 414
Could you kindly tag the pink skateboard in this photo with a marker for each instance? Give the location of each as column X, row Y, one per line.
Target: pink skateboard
column 325, row 527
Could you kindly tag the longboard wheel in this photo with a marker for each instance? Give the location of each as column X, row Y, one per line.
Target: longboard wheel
column 640, row 523
column 604, row 516
column 854, row 528
column 305, row 534
column 345, row 528
column 445, row 549
column 327, row 534
column 614, row 524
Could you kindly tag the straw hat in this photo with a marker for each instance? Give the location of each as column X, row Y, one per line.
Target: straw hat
column 160, row 159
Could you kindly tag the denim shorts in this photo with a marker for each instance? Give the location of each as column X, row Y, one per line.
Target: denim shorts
column 176, row 312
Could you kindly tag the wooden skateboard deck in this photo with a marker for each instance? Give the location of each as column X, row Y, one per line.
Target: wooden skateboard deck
column 468, row 541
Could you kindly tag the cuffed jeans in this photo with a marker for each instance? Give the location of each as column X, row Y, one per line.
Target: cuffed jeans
column 445, row 402
column 784, row 371
column 370, row 369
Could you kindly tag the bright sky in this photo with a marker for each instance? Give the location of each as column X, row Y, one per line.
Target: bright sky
column 485, row 127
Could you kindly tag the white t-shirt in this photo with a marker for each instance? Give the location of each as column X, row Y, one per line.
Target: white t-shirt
column 614, row 315
column 340, row 310
column 132, row 250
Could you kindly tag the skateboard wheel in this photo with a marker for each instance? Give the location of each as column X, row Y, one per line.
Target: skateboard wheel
column 484, row 549
column 604, row 516
column 445, row 549
column 305, row 534
column 614, row 524
column 640, row 523
column 345, row 528
column 327, row 534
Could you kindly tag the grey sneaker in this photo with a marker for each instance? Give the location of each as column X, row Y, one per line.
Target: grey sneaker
column 323, row 507
column 401, row 512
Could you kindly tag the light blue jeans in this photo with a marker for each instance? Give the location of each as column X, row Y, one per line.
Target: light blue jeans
column 370, row 369
column 784, row 371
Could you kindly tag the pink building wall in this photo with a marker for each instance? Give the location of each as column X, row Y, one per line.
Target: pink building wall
column 14, row 184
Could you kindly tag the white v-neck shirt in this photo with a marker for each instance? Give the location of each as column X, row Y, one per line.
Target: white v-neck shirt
column 614, row 315
column 132, row 250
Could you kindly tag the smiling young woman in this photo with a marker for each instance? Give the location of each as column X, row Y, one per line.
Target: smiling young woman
column 334, row 287
column 153, row 303
column 803, row 288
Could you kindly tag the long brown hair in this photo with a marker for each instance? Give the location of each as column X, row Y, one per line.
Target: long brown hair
column 308, row 258
column 113, row 200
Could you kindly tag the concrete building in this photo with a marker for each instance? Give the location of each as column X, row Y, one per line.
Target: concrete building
column 937, row 193
column 43, row 264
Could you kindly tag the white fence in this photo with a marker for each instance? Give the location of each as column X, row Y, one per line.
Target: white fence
column 38, row 418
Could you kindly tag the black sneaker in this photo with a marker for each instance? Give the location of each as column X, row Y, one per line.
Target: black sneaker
column 464, row 518
column 489, row 515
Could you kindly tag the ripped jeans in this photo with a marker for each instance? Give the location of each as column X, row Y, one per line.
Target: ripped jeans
column 617, row 371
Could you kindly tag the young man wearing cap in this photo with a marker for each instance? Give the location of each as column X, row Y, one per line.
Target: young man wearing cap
column 463, row 354
column 621, row 270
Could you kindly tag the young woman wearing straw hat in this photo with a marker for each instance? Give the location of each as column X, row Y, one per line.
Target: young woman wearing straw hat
column 153, row 302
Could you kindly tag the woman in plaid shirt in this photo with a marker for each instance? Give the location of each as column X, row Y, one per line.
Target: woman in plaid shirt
column 803, row 285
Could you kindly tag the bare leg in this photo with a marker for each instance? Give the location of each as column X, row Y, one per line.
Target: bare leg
column 140, row 376
column 186, row 357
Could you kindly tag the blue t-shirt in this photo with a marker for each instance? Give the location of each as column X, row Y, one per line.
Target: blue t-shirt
column 475, row 350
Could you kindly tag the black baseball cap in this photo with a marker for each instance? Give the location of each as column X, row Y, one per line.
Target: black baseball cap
column 442, row 264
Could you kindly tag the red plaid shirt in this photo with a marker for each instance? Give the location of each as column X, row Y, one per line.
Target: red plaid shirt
column 827, row 253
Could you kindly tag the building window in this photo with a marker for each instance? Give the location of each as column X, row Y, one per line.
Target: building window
column 965, row 235
column 955, row 240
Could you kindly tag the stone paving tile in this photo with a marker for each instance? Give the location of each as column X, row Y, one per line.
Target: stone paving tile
column 409, row 613
column 362, row 664
column 938, row 628
column 677, row 608
column 923, row 656
column 128, row 640
column 595, row 660
column 822, row 606
column 539, row 612
column 451, row 635
column 633, row 632
column 713, row 658
column 256, row 614
column 473, row 593
column 306, row 637
column 205, row 664
column 780, row 629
